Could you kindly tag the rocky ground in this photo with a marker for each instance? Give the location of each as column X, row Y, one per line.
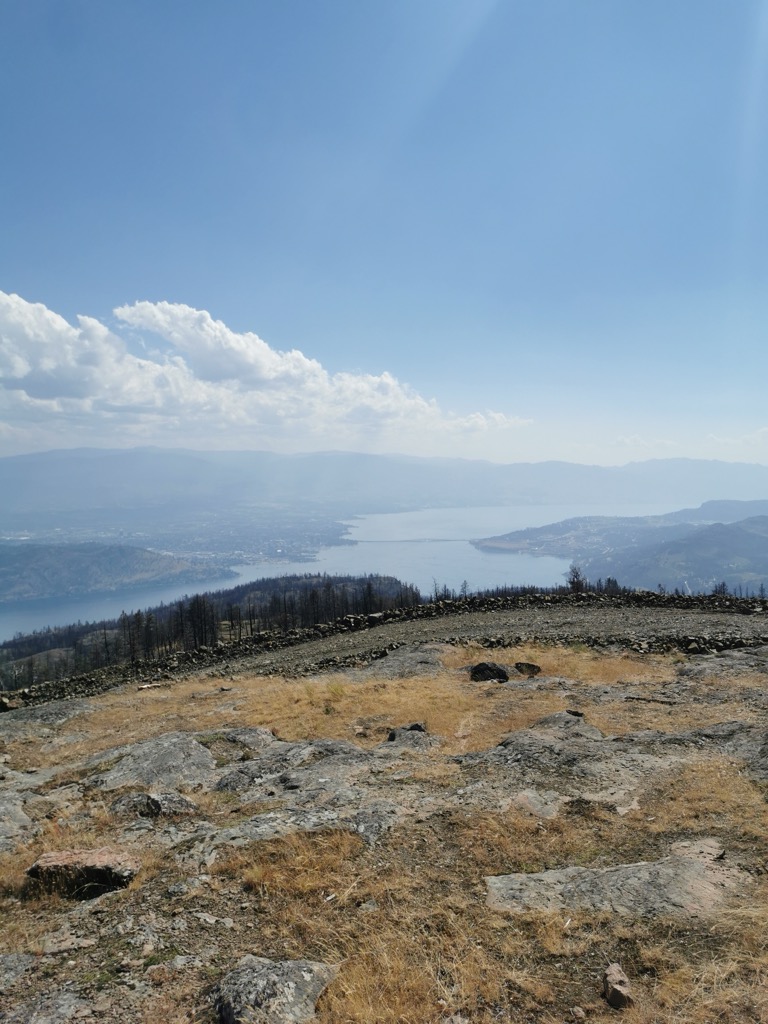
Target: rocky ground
column 640, row 628
column 354, row 829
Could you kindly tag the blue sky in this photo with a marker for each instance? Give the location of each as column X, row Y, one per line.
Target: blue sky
column 507, row 230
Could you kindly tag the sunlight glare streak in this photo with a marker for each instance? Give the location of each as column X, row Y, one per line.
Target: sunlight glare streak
column 752, row 138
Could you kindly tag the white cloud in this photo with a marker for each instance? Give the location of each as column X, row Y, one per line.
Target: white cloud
column 213, row 351
column 64, row 384
column 754, row 443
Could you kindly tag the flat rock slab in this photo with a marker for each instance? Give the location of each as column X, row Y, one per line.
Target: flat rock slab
column 404, row 662
column 261, row 991
column 14, row 821
column 41, row 720
column 541, row 804
column 54, row 1009
column 252, row 738
column 567, row 758
column 84, row 874
column 692, row 882
column 172, row 761
column 370, row 822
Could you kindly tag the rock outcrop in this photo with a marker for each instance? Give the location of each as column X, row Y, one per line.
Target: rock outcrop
column 692, row 882
column 83, row 874
column 175, row 760
column 261, row 991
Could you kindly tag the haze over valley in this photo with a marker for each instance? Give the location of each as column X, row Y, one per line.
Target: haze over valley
column 94, row 532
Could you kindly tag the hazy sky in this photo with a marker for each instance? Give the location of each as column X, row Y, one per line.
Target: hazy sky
column 514, row 230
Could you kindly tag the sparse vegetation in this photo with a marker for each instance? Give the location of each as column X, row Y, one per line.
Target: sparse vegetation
column 285, row 603
column 406, row 918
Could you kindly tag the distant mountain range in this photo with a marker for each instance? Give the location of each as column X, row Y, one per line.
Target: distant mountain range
column 105, row 481
column 690, row 550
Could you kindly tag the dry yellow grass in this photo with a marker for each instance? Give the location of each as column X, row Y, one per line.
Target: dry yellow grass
column 409, row 936
column 470, row 716
column 407, row 919
column 574, row 662
column 409, row 924
column 619, row 717
column 711, row 797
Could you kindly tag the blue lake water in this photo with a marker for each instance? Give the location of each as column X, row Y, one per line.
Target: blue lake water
column 423, row 548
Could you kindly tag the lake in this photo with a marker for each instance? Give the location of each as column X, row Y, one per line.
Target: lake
column 426, row 548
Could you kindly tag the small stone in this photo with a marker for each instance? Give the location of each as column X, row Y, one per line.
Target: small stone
column 616, row 988
column 205, row 918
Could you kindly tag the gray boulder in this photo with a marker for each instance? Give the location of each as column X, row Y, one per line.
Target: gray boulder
column 261, row 991
column 527, row 668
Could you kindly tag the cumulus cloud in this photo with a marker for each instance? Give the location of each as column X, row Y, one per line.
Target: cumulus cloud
column 83, row 383
column 214, row 352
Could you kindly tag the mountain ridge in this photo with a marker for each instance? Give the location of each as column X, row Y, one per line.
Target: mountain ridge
column 683, row 549
column 132, row 477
